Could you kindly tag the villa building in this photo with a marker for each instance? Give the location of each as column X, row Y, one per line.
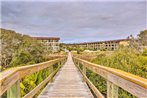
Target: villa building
column 101, row 45
column 51, row 43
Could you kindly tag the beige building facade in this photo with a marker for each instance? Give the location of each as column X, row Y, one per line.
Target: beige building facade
column 101, row 45
column 51, row 43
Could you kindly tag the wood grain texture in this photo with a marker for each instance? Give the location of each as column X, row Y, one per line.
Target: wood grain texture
column 14, row 91
column 42, row 84
column 133, row 84
column 67, row 84
column 93, row 88
column 10, row 76
column 112, row 90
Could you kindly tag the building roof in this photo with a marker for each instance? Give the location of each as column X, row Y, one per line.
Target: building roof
column 47, row 38
column 98, row 42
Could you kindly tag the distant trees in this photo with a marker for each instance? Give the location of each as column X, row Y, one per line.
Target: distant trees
column 142, row 36
column 75, row 48
column 132, row 59
column 79, row 49
column 18, row 50
column 69, row 48
column 9, row 44
column 139, row 43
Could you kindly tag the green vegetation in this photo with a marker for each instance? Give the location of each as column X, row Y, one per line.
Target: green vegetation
column 76, row 48
column 143, row 37
column 30, row 82
column 124, row 59
column 21, row 50
column 132, row 59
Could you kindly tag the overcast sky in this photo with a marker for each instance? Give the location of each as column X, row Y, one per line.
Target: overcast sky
column 75, row 21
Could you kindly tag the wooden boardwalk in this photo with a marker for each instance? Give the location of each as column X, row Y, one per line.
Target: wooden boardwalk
column 67, row 84
column 68, row 80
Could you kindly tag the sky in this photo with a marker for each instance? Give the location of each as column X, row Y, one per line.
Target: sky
column 75, row 20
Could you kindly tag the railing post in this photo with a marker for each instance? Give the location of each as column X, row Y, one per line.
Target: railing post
column 59, row 63
column 112, row 90
column 14, row 91
column 62, row 62
column 84, row 71
column 78, row 63
column 51, row 69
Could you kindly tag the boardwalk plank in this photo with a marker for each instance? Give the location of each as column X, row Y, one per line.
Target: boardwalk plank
column 67, row 84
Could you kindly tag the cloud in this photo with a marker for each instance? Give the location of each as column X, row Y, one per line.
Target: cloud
column 75, row 21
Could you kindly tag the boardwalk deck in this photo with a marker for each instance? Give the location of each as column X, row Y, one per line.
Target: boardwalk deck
column 67, row 84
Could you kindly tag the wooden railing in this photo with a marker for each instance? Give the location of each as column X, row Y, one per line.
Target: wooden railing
column 10, row 79
column 115, row 78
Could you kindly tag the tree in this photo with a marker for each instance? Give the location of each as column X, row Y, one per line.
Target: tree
column 9, row 44
column 18, row 50
column 140, row 42
column 142, row 36
column 79, row 49
column 21, row 50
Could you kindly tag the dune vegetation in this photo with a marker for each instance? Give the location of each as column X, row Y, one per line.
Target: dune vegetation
column 22, row 50
column 132, row 59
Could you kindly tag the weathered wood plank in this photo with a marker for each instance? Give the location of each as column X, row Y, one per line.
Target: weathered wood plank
column 133, row 84
column 112, row 90
column 41, row 85
column 93, row 88
column 8, row 82
column 9, row 77
column 14, row 91
column 67, row 84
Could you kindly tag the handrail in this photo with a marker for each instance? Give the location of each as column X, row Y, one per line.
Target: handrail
column 43, row 83
column 93, row 88
column 133, row 84
column 12, row 75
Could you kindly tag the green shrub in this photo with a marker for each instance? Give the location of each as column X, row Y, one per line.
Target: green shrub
column 126, row 59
